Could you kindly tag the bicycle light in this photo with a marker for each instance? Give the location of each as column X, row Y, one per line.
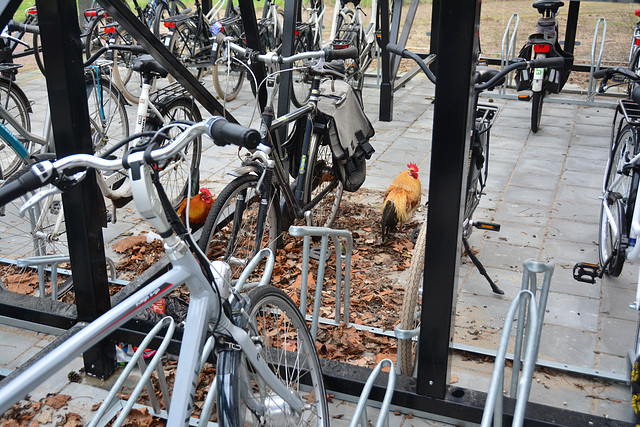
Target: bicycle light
column 541, row 48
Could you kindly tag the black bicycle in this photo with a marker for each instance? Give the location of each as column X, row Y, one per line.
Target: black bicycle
column 486, row 78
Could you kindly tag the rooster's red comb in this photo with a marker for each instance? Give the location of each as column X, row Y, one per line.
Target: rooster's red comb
column 413, row 166
column 206, row 191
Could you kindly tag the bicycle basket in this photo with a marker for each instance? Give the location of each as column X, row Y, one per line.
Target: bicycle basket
column 349, row 131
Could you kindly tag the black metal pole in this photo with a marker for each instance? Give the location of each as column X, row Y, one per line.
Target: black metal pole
column 288, row 37
column 435, row 32
column 83, row 204
column 385, row 111
column 457, row 53
column 572, row 26
column 250, row 23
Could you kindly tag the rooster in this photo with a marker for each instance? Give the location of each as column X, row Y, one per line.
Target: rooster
column 199, row 207
column 401, row 199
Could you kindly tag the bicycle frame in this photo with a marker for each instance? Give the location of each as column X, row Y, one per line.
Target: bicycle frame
column 204, row 306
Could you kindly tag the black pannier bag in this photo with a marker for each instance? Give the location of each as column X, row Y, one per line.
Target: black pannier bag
column 349, row 131
column 557, row 76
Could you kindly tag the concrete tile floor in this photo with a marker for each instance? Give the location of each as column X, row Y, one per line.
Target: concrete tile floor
column 543, row 188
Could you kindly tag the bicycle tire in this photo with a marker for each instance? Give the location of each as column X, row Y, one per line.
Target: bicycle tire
column 163, row 13
column 300, row 84
column 39, row 232
column 175, row 172
column 622, row 151
column 610, row 252
column 109, row 125
column 412, row 305
column 190, row 47
column 537, row 99
column 37, row 53
column 320, row 174
column 130, row 83
column 17, row 105
column 99, row 33
column 290, row 351
column 228, row 75
column 218, row 227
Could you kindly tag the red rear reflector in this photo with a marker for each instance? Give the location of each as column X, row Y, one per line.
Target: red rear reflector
column 637, row 42
column 638, row 13
column 90, row 13
column 169, row 24
column 541, row 48
column 110, row 30
column 297, row 33
column 35, row 12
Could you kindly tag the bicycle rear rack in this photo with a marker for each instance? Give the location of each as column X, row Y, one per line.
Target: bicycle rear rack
column 631, row 111
column 174, row 90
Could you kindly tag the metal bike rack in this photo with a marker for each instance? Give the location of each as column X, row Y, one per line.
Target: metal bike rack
column 336, row 235
column 525, row 303
column 595, row 66
column 361, row 408
column 109, row 407
column 508, row 51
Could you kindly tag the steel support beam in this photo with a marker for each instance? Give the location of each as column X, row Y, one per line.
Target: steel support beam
column 84, row 204
column 141, row 33
column 385, row 110
column 572, row 26
column 457, row 53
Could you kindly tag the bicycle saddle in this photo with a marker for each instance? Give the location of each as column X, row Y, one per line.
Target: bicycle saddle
column 485, row 73
column 146, row 64
column 544, row 5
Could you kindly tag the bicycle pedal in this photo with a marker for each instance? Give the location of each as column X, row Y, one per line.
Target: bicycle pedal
column 524, row 97
column 586, row 272
column 488, row 226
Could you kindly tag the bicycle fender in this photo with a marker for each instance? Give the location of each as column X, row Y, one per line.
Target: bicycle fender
column 247, row 169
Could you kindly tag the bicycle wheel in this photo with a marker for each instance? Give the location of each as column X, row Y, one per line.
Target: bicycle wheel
column 37, row 53
column 39, row 232
column 17, row 106
column 289, row 349
column 100, row 32
column 320, row 175
column 620, row 199
column 163, row 12
column 536, row 109
column 130, row 83
column 220, row 240
column 175, row 172
column 190, row 48
column 109, row 126
column 228, row 74
column 301, row 85
column 412, row 305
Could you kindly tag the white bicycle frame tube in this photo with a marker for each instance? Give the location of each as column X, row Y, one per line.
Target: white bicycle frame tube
column 204, row 309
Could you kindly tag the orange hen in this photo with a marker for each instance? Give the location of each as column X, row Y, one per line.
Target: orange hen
column 199, row 207
column 401, row 200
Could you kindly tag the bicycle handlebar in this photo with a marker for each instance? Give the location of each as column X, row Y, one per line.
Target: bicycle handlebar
column 328, row 53
column 17, row 26
column 495, row 80
column 98, row 53
column 607, row 73
column 46, row 172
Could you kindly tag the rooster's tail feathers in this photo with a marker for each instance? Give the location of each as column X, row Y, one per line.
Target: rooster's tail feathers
column 389, row 218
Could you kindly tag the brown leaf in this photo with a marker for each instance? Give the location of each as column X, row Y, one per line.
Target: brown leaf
column 57, row 401
column 128, row 243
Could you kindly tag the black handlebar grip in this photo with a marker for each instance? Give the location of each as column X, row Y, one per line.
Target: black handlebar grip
column 394, row 48
column 600, row 73
column 555, row 62
column 16, row 26
column 344, row 53
column 224, row 133
column 136, row 48
column 35, row 177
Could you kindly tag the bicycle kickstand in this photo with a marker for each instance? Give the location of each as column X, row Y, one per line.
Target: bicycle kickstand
column 481, row 268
